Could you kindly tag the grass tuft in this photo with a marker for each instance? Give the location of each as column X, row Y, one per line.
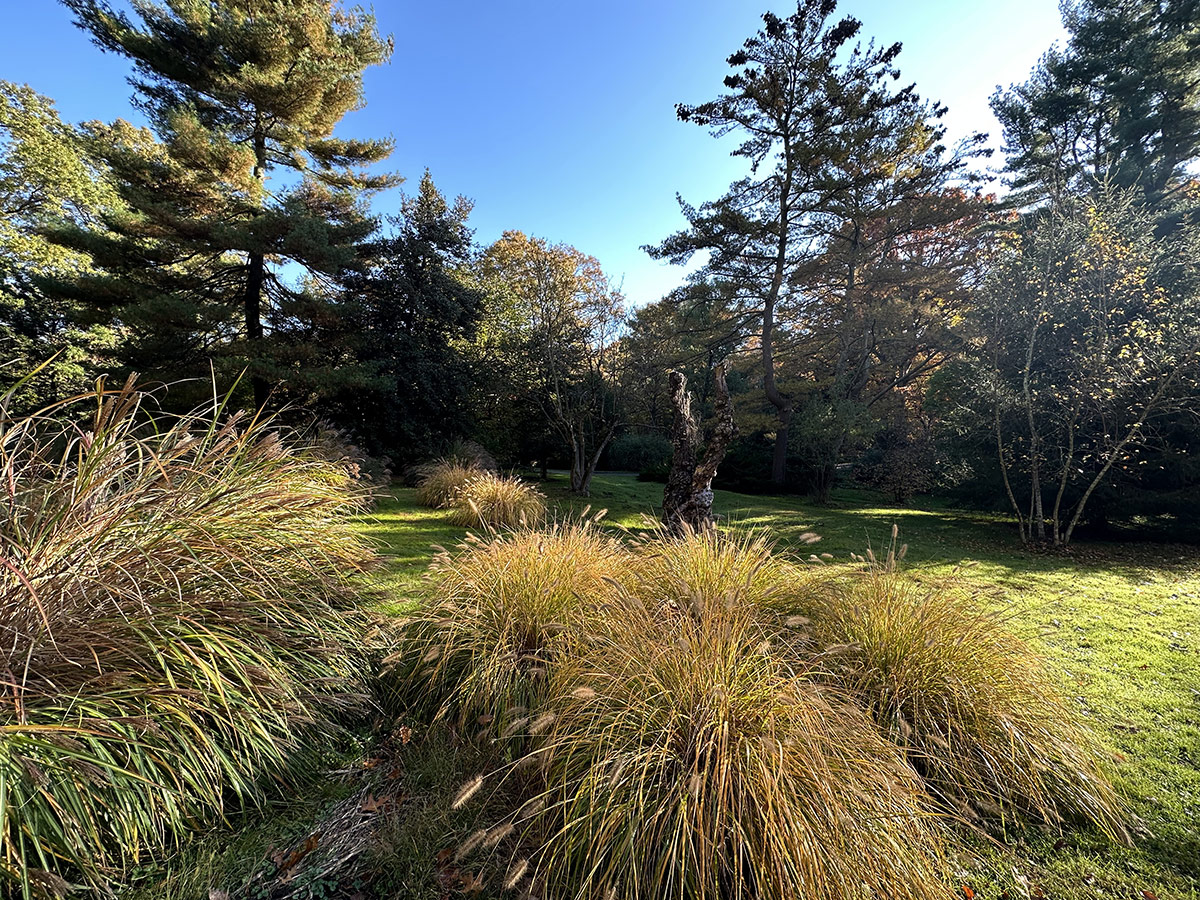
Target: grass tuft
column 495, row 501
column 176, row 617
column 691, row 759
column 977, row 712
column 439, row 482
column 503, row 612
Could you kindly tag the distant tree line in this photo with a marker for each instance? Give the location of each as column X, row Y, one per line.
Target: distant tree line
column 880, row 315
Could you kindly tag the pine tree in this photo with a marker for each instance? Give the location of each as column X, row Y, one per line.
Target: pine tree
column 248, row 186
column 407, row 319
column 848, row 175
column 1119, row 106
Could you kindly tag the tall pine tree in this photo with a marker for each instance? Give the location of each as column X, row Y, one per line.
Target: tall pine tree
column 1118, row 107
column 249, row 188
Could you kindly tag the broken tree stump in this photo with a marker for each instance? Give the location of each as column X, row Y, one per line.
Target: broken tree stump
column 688, row 496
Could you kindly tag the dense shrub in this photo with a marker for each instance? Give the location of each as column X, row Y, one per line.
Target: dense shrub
column 495, row 501
column 175, row 607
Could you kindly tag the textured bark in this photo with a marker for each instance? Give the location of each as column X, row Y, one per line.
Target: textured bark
column 688, row 497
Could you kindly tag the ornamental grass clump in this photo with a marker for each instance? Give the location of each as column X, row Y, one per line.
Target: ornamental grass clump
column 439, row 482
column 690, row 757
column 176, row 618
column 977, row 713
column 488, row 500
column 503, row 612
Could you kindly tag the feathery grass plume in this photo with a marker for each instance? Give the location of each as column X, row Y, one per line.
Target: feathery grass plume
column 439, row 482
column 978, row 714
column 175, row 616
column 703, row 764
column 494, row 501
column 503, row 612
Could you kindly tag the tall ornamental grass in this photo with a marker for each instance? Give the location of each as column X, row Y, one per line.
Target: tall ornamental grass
column 690, row 756
column 974, row 708
column 439, row 482
column 175, row 616
column 503, row 612
column 488, row 500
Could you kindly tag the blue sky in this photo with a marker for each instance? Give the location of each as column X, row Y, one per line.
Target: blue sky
column 557, row 116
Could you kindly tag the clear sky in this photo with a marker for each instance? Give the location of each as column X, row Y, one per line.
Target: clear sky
column 557, row 116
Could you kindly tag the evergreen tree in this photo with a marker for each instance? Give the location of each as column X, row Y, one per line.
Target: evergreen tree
column 848, row 176
column 407, row 319
column 1120, row 105
column 244, row 96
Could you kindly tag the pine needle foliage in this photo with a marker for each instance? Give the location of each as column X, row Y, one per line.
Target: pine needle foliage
column 176, row 617
column 690, row 758
column 976, row 711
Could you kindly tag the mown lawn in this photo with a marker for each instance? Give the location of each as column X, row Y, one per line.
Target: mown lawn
column 1120, row 621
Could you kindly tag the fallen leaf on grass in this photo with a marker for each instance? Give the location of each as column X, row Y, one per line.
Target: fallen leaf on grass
column 285, row 862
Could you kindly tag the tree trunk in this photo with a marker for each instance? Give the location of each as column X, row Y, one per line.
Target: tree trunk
column 256, row 275
column 254, row 329
column 688, row 496
column 779, row 456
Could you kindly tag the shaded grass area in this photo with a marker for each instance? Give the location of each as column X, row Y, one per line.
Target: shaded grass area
column 1120, row 621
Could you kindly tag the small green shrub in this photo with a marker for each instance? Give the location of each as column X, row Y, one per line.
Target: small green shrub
column 974, row 708
column 439, row 482
column 177, row 618
column 494, row 501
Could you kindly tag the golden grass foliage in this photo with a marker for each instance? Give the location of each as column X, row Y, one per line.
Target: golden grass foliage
column 504, row 611
column 494, row 501
column 439, row 482
column 975, row 709
column 690, row 759
column 176, row 616
column 696, row 717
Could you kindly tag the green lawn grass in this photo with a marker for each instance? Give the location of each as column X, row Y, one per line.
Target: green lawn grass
column 1120, row 621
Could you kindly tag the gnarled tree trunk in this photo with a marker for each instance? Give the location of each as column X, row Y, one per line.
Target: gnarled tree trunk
column 688, row 497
